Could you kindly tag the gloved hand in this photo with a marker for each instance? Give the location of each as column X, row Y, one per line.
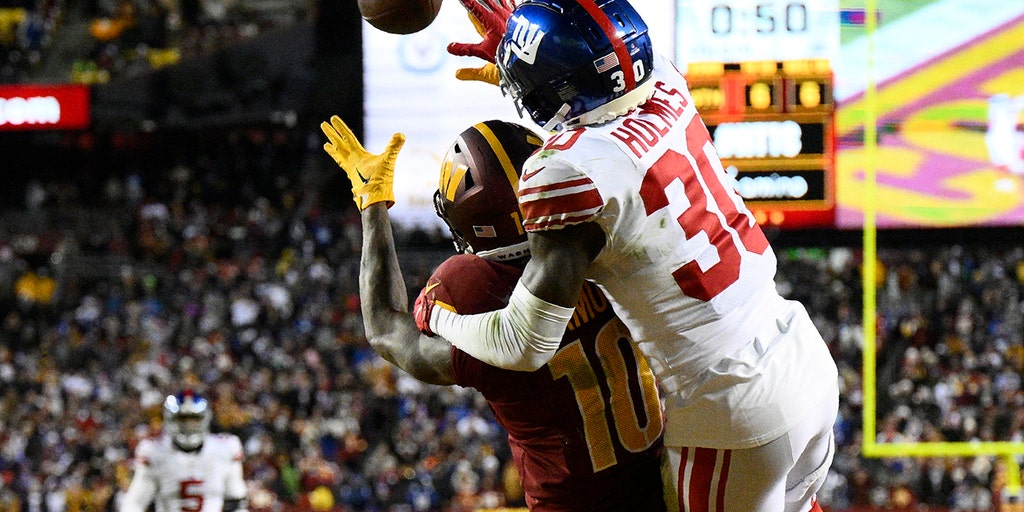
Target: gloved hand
column 421, row 310
column 487, row 73
column 425, row 304
column 489, row 18
column 372, row 176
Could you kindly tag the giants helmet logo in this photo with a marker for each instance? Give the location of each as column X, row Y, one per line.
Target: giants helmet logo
column 525, row 40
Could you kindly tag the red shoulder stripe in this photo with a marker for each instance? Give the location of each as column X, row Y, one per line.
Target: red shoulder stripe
column 556, row 222
column 551, row 187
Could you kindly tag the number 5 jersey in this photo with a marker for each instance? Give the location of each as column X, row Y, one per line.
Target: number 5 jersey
column 177, row 481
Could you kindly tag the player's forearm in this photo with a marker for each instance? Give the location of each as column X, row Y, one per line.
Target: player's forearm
column 523, row 336
column 139, row 495
column 526, row 333
column 390, row 328
column 381, row 285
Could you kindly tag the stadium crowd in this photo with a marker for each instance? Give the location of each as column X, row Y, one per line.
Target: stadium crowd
column 27, row 29
column 129, row 37
column 229, row 270
column 109, row 39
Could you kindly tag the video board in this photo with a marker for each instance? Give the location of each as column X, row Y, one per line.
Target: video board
column 761, row 76
column 950, row 105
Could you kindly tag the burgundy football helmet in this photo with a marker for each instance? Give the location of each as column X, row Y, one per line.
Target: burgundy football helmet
column 477, row 197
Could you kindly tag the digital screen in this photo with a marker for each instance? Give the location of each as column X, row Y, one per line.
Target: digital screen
column 772, row 124
column 950, row 99
column 950, row 95
column 756, row 30
column 949, row 104
column 410, row 87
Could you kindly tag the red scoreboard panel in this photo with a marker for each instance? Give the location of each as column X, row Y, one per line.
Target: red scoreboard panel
column 773, row 126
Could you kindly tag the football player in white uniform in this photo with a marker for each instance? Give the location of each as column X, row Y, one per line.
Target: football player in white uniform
column 187, row 468
column 629, row 192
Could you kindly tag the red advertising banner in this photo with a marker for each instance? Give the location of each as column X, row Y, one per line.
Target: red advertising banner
column 44, row 107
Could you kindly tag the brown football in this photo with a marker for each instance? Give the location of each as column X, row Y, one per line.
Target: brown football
column 399, row 16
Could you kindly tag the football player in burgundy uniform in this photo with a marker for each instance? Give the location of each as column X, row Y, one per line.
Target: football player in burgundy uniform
column 629, row 193
column 186, row 468
column 585, row 429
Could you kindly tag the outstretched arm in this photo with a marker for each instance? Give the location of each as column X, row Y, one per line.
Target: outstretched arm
column 390, row 328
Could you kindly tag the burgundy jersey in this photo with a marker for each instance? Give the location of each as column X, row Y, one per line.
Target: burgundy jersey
column 586, row 428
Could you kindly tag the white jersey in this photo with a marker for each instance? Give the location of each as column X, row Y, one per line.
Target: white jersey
column 686, row 266
column 178, row 481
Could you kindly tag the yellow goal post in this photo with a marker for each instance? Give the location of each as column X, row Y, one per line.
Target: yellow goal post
column 870, row 446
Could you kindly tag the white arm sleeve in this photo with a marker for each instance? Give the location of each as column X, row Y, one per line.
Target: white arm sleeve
column 141, row 490
column 523, row 336
column 235, row 487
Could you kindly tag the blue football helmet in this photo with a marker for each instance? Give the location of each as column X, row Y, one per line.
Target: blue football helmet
column 187, row 418
column 575, row 61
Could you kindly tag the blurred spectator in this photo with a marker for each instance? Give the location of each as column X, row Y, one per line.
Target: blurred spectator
column 35, row 288
column 135, row 36
column 27, row 30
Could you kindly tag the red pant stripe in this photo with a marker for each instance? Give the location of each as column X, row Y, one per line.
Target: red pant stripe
column 814, row 505
column 681, row 484
column 723, row 478
column 695, row 487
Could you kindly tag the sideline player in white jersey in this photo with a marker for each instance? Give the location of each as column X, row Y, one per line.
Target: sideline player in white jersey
column 186, row 468
column 630, row 193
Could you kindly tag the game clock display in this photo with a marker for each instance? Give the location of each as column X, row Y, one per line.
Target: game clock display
column 760, row 74
column 757, row 30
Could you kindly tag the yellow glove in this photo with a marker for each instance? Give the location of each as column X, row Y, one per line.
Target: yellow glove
column 487, row 73
column 489, row 18
column 372, row 176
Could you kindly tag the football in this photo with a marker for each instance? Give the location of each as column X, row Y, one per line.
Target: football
column 399, row 16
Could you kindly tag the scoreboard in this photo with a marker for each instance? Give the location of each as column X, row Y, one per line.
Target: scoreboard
column 760, row 74
column 772, row 123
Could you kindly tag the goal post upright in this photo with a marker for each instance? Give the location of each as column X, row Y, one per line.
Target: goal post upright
column 870, row 447
column 869, row 270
